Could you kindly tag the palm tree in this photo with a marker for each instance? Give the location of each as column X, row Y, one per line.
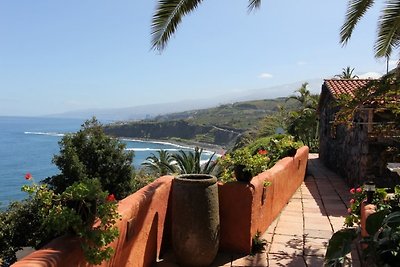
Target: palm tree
column 347, row 73
column 169, row 14
column 162, row 164
column 303, row 123
column 388, row 37
column 306, row 99
column 190, row 162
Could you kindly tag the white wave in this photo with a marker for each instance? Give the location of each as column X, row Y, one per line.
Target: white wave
column 156, row 142
column 151, row 149
column 45, row 133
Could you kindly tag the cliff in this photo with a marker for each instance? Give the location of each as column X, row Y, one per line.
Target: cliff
column 177, row 129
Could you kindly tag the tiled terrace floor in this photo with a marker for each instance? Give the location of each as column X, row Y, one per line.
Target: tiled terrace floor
column 299, row 236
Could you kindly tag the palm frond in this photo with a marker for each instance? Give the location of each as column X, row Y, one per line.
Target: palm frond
column 388, row 29
column 254, row 4
column 167, row 17
column 355, row 11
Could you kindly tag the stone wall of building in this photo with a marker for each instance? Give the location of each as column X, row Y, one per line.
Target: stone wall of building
column 351, row 152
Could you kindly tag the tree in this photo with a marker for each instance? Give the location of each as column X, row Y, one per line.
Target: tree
column 162, row 164
column 303, row 123
column 169, row 14
column 388, row 37
column 91, row 154
column 347, row 73
column 305, row 99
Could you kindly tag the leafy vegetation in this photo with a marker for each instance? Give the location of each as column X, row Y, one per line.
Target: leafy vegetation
column 347, row 73
column 257, row 156
column 169, row 14
column 184, row 162
column 381, row 247
column 160, row 165
column 91, row 154
column 81, row 200
column 221, row 125
column 303, row 122
column 388, row 35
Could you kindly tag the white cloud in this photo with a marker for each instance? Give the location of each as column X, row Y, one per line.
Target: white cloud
column 265, row 75
column 301, row 63
column 370, row 75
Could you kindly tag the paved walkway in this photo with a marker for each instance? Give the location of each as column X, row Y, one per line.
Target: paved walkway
column 299, row 236
column 301, row 233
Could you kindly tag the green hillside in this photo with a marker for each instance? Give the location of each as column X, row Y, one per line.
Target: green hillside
column 239, row 115
column 220, row 125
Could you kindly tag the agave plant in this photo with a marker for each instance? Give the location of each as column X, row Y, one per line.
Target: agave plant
column 162, row 164
column 190, row 162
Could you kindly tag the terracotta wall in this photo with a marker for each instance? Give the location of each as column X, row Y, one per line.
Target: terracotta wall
column 141, row 230
column 244, row 209
column 145, row 223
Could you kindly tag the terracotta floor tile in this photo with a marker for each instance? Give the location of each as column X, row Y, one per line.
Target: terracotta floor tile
column 318, row 233
column 267, row 236
column 277, row 260
column 291, row 218
column 288, row 213
column 318, row 226
column 315, row 246
column 279, row 248
column 323, row 220
column 289, row 240
column 312, row 210
column 289, row 228
column 258, row 260
column 315, row 214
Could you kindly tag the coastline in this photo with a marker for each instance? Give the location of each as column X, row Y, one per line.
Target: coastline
column 180, row 143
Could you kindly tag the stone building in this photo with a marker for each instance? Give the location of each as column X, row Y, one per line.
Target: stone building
column 356, row 151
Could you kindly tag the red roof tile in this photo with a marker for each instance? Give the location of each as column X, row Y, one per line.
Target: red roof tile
column 341, row 86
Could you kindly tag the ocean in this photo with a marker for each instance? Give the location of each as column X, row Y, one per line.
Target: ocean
column 28, row 145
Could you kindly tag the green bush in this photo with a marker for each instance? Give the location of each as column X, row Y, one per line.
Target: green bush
column 277, row 146
column 95, row 170
column 254, row 164
column 257, row 156
column 91, row 154
column 382, row 246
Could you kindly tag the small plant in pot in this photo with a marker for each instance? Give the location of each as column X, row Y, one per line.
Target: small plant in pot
column 243, row 165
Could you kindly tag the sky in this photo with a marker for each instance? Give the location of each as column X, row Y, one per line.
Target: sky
column 58, row 56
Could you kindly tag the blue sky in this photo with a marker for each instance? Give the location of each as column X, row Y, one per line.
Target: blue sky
column 58, row 56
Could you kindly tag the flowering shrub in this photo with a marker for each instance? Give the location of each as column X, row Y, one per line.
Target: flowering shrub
column 358, row 196
column 382, row 245
column 277, row 147
column 254, row 164
column 84, row 210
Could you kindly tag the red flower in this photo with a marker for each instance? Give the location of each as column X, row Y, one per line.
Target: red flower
column 28, row 176
column 359, row 190
column 110, row 198
column 352, row 201
column 262, row 152
column 349, row 210
column 352, row 191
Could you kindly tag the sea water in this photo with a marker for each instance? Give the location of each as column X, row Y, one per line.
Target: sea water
column 29, row 144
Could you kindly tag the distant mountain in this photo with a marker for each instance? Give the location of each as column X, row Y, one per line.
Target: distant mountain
column 153, row 110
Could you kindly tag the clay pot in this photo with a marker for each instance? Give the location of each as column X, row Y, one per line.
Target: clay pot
column 195, row 219
column 241, row 175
